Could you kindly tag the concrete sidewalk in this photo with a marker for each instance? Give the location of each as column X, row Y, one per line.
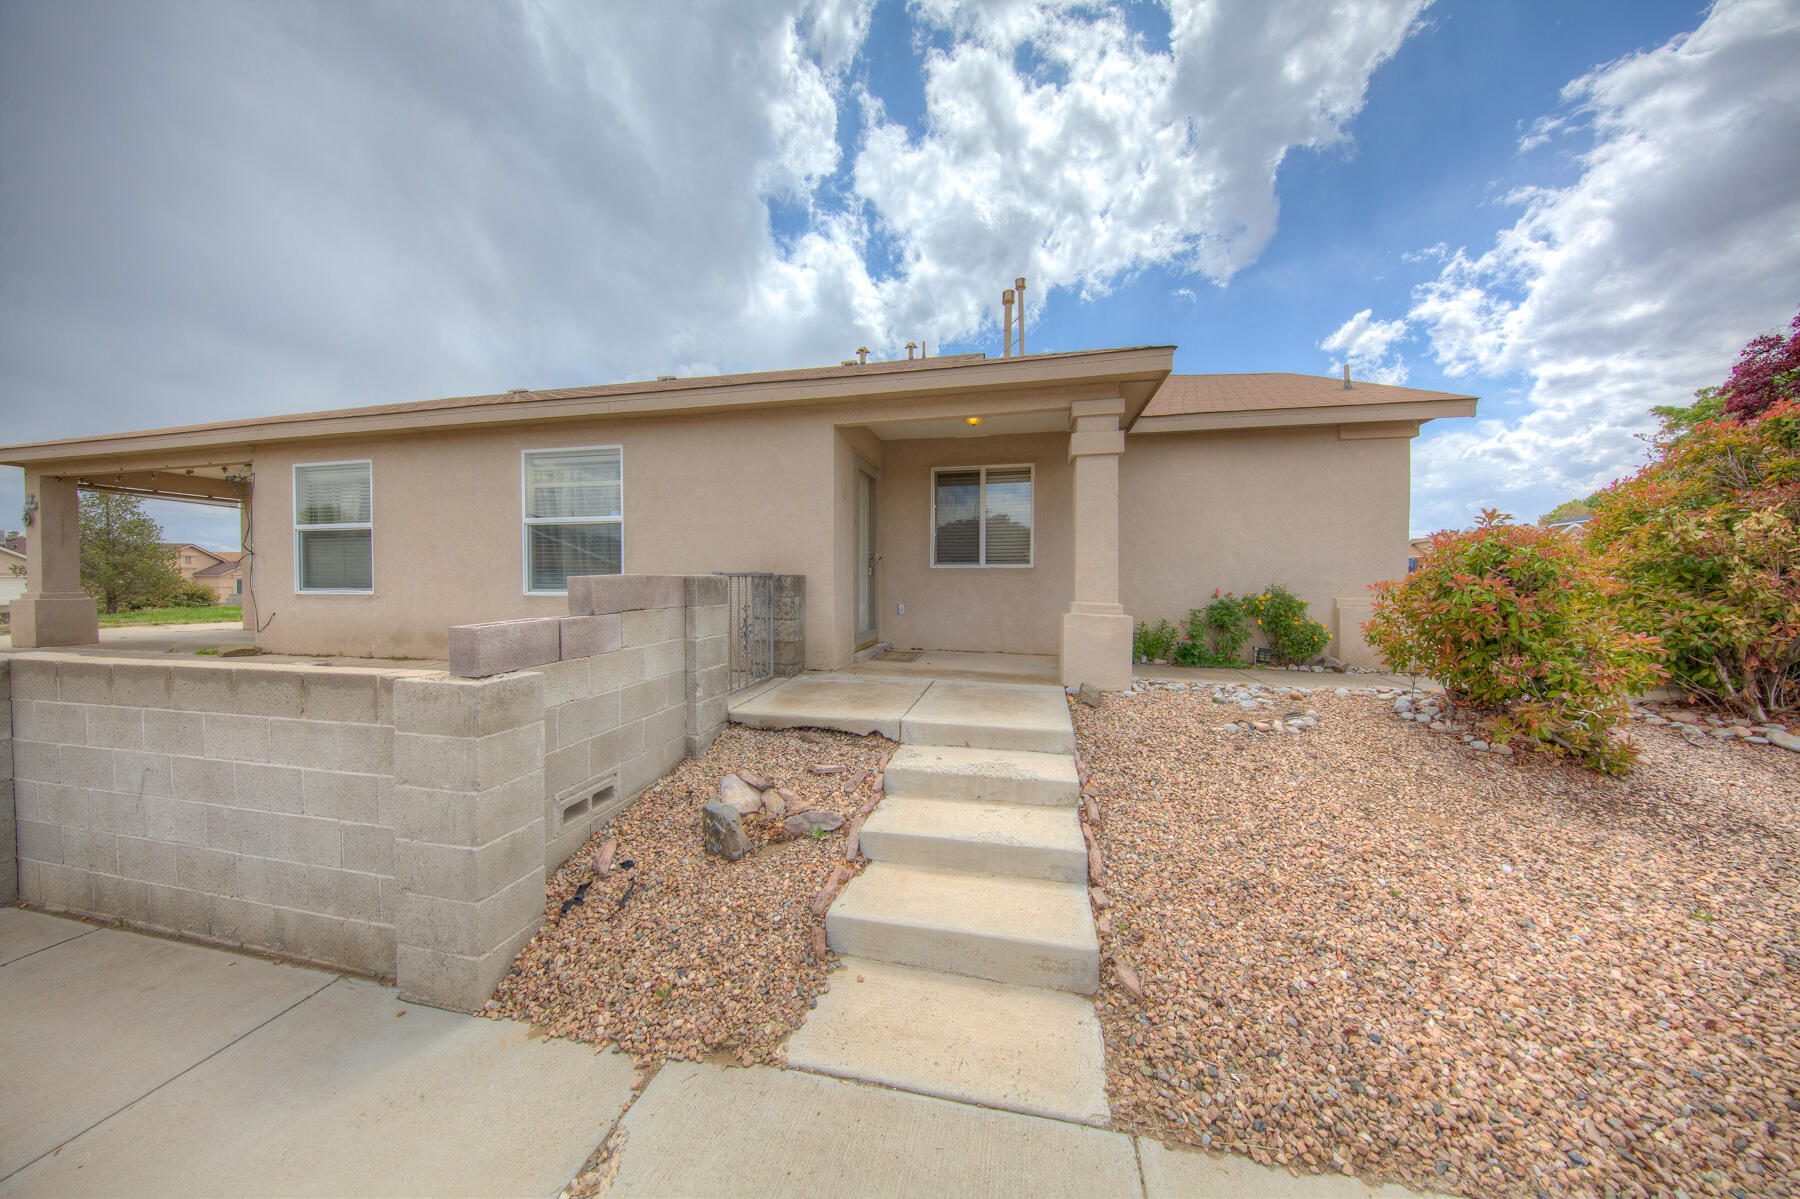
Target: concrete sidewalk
column 140, row 1066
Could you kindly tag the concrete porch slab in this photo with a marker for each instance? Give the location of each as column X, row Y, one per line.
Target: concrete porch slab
column 68, row 1067
column 991, row 716
column 858, row 704
column 23, row 933
column 702, row 1130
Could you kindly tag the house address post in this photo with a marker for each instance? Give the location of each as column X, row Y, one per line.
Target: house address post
column 1096, row 632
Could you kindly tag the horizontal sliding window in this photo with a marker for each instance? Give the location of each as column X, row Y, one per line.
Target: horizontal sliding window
column 334, row 527
column 574, row 516
column 981, row 516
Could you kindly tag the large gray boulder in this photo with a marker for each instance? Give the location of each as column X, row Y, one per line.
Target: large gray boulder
column 722, row 832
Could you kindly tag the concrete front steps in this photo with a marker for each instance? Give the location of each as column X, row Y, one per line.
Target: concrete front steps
column 968, row 942
column 1022, row 1049
column 1011, row 930
column 978, row 836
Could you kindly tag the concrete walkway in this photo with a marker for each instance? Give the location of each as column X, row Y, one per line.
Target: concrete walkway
column 703, row 1130
column 139, row 1066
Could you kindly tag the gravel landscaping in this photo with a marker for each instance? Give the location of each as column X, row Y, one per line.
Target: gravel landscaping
column 1371, row 949
column 682, row 955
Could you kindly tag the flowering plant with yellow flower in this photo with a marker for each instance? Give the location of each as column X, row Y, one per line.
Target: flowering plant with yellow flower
column 1294, row 637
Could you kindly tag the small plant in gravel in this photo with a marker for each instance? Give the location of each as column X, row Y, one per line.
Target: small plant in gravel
column 1294, row 637
column 1153, row 644
column 1518, row 622
column 1215, row 634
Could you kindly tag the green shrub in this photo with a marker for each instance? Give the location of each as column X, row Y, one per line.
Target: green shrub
column 1153, row 645
column 1520, row 623
column 190, row 595
column 1706, row 540
column 1294, row 637
column 1214, row 635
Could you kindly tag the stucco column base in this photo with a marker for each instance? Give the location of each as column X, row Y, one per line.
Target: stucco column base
column 1096, row 647
column 41, row 621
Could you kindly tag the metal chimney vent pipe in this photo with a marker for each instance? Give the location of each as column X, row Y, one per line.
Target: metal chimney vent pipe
column 862, row 355
column 1019, row 284
column 1006, row 302
column 910, row 347
column 1347, row 376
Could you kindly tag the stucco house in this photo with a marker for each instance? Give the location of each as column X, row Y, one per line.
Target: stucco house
column 219, row 570
column 1032, row 504
column 12, row 585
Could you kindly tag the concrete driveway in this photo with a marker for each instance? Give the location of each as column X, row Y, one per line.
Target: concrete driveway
column 140, row 1066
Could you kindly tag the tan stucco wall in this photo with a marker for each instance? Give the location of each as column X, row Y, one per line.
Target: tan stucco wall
column 723, row 492
column 1004, row 609
column 1237, row 511
column 766, row 490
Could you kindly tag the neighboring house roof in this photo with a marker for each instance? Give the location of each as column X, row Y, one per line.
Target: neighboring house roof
column 188, row 545
column 10, row 552
column 14, row 545
column 1227, row 401
column 228, row 566
column 1574, row 522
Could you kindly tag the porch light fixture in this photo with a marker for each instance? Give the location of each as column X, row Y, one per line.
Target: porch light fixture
column 973, row 420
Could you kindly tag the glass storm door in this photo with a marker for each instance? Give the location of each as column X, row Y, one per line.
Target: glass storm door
column 866, row 558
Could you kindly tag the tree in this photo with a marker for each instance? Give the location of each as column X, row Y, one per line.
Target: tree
column 124, row 562
column 1767, row 371
column 1709, row 404
column 1567, row 510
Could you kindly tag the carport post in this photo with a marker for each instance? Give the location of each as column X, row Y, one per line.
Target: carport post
column 54, row 609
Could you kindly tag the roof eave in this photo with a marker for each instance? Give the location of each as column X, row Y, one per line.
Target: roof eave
column 1337, row 414
column 1138, row 369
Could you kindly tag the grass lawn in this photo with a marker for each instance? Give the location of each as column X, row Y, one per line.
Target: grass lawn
column 221, row 614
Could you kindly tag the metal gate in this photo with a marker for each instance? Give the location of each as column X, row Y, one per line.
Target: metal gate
column 750, row 608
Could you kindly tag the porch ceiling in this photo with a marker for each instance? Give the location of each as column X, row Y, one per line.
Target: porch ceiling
column 1053, row 421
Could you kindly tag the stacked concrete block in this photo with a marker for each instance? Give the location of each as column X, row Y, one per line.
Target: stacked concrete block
column 468, row 813
column 242, row 804
column 707, row 671
column 790, row 624
column 502, row 646
column 9, row 833
column 602, row 595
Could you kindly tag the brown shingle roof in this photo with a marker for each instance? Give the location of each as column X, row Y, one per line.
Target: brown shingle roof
column 1181, row 395
column 228, row 563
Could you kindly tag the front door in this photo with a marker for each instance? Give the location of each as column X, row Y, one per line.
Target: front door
column 866, row 558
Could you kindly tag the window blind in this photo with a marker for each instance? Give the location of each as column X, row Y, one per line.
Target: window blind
column 336, row 560
column 335, row 494
column 572, row 484
column 1008, row 516
column 957, row 510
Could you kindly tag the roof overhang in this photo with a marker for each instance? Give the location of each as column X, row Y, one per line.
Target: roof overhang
column 1337, row 414
column 1133, row 373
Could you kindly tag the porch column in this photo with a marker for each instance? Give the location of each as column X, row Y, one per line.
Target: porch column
column 54, row 609
column 1096, row 632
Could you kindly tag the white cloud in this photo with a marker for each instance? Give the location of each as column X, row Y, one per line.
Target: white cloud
column 1364, row 343
column 1637, row 283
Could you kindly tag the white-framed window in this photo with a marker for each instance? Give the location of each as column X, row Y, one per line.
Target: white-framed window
column 981, row 515
column 574, row 507
column 334, row 528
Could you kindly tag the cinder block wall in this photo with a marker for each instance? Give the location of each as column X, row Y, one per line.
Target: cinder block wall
column 246, row 804
column 392, row 821
column 790, row 624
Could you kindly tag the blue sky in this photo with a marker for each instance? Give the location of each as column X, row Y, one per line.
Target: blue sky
column 1574, row 211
